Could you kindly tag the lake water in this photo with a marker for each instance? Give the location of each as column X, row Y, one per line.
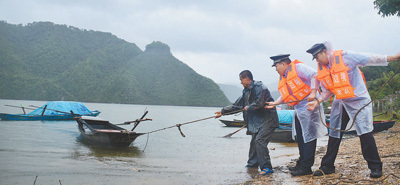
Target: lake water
column 51, row 150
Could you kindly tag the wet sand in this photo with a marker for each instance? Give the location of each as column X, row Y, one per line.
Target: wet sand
column 351, row 168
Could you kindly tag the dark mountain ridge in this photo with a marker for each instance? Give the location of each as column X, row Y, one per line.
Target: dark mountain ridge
column 45, row 61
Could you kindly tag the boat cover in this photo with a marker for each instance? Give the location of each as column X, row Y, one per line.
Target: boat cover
column 62, row 108
column 286, row 116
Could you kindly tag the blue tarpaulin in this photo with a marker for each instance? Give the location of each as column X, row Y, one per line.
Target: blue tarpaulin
column 61, row 108
column 286, row 116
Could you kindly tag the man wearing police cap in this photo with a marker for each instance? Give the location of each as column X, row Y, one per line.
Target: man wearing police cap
column 297, row 83
column 339, row 74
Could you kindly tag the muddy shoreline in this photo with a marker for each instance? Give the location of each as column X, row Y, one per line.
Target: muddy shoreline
column 351, row 168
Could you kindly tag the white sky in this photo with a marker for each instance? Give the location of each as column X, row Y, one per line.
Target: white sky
column 220, row 38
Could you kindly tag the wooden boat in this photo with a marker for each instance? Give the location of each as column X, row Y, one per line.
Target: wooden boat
column 285, row 118
column 378, row 126
column 383, row 125
column 99, row 132
column 55, row 110
column 282, row 134
column 26, row 117
column 234, row 123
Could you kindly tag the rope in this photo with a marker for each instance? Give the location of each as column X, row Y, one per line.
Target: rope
column 287, row 102
column 145, row 146
column 181, row 124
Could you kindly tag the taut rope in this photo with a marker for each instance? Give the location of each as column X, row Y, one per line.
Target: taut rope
column 181, row 124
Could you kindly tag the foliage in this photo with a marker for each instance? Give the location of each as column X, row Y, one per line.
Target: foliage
column 393, row 115
column 377, row 76
column 388, row 7
column 44, row 61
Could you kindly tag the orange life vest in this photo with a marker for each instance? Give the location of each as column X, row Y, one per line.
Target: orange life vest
column 336, row 79
column 362, row 74
column 297, row 86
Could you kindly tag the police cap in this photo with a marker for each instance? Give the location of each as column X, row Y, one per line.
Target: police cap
column 279, row 58
column 315, row 49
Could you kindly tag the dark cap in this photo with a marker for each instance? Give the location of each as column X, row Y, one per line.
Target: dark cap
column 279, row 58
column 314, row 50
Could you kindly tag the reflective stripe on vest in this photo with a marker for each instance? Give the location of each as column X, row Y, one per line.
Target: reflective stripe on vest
column 336, row 79
column 299, row 89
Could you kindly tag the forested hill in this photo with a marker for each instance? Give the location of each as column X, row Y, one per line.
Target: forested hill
column 45, row 61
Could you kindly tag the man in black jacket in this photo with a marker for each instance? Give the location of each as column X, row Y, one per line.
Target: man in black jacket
column 260, row 122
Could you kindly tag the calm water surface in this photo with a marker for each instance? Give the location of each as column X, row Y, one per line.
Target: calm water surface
column 52, row 151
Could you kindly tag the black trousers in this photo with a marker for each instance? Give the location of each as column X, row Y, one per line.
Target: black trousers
column 259, row 152
column 368, row 147
column 306, row 150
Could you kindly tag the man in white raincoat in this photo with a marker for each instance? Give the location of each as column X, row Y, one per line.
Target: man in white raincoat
column 344, row 108
column 307, row 123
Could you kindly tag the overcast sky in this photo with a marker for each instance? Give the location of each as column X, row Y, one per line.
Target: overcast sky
column 220, row 38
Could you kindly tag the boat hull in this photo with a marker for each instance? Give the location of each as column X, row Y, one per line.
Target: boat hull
column 234, row 123
column 110, row 139
column 281, row 134
column 378, row 126
column 383, row 125
column 102, row 133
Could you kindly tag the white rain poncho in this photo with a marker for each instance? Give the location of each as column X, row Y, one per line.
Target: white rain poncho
column 364, row 119
column 309, row 120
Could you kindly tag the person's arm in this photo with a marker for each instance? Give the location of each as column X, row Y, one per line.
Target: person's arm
column 312, row 95
column 218, row 114
column 393, row 58
column 259, row 102
column 324, row 96
column 231, row 108
column 355, row 59
column 307, row 73
column 314, row 87
column 271, row 105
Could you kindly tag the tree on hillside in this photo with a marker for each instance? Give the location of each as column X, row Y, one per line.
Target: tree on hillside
column 388, row 7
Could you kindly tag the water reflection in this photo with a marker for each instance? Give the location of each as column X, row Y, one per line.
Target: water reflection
column 108, row 151
column 130, row 151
